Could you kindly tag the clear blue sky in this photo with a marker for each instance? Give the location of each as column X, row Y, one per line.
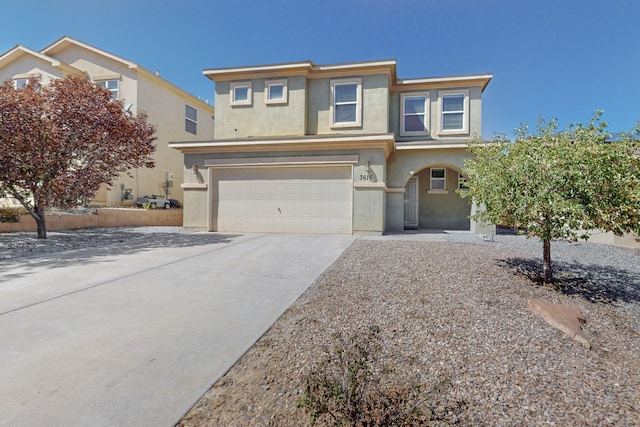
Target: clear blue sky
column 553, row 58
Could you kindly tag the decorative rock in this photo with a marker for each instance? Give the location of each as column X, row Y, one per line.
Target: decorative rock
column 564, row 317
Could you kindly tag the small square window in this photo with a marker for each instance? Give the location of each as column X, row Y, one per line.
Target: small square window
column 438, row 179
column 111, row 85
column 275, row 92
column 20, row 83
column 346, row 103
column 241, row 93
column 190, row 119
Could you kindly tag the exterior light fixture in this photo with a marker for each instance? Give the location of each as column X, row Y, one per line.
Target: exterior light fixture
column 367, row 166
column 194, row 169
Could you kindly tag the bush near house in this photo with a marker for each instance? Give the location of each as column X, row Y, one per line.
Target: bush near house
column 11, row 214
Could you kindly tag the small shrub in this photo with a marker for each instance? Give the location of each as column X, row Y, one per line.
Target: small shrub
column 12, row 214
column 348, row 388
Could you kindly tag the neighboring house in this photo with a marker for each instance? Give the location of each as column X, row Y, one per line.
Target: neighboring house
column 175, row 113
column 344, row 148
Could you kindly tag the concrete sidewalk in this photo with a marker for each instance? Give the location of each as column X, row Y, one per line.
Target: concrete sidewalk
column 99, row 339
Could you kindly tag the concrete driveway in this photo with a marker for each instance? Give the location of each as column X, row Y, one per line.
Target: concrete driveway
column 134, row 338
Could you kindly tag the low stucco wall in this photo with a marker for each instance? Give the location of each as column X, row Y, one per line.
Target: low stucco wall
column 103, row 218
column 629, row 241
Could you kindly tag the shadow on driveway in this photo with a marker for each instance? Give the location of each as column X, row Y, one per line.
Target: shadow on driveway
column 63, row 248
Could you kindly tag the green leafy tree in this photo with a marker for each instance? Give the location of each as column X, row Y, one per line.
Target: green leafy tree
column 61, row 141
column 558, row 183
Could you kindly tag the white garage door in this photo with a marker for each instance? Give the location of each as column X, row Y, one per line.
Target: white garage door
column 283, row 199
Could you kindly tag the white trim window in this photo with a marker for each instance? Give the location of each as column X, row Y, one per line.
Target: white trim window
column 346, row 103
column 454, row 111
column 414, row 114
column 112, row 86
column 190, row 119
column 20, row 83
column 241, row 93
column 438, row 179
column 275, row 91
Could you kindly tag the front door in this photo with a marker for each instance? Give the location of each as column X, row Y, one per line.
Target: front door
column 411, row 203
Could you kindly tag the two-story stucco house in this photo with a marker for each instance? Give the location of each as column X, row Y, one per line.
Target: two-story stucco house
column 344, row 148
column 175, row 113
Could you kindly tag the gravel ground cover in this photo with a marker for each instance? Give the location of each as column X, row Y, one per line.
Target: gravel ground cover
column 455, row 313
column 450, row 313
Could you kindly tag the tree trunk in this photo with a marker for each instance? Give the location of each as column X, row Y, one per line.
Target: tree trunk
column 39, row 217
column 546, row 255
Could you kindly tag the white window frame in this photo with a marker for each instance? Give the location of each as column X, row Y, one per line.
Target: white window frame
column 267, row 92
column 188, row 119
column 403, row 113
column 232, row 95
column 358, row 103
column 438, row 179
column 465, row 112
column 115, row 93
column 16, row 81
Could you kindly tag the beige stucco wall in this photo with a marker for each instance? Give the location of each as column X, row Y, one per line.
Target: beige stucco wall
column 166, row 111
column 377, row 196
column 164, row 105
column 100, row 67
column 260, row 118
column 369, row 198
column 375, row 107
column 442, row 210
column 407, row 163
column 30, row 65
column 368, row 193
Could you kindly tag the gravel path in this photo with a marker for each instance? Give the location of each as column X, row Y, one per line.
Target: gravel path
column 451, row 313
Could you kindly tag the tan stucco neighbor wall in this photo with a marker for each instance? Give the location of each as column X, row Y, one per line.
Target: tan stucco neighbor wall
column 102, row 218
column 138, row 88
column 166, row 110
column 30, row 66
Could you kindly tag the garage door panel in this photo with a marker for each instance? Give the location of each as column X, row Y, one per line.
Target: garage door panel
column 291, row 190
column 294, row 200
column 272, row 208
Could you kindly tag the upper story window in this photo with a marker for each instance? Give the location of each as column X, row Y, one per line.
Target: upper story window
column 20, row 83
column 346, row 102
column 438, row 179
column 241, row 93
column 190, row 119
column 454, row 111
column 275, row 92
column 415, row 114
column 112, row 85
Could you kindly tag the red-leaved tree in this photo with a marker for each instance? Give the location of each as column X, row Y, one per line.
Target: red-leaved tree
column 60, row 142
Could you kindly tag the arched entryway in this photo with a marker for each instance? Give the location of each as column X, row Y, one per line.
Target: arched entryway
column 431, row 200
